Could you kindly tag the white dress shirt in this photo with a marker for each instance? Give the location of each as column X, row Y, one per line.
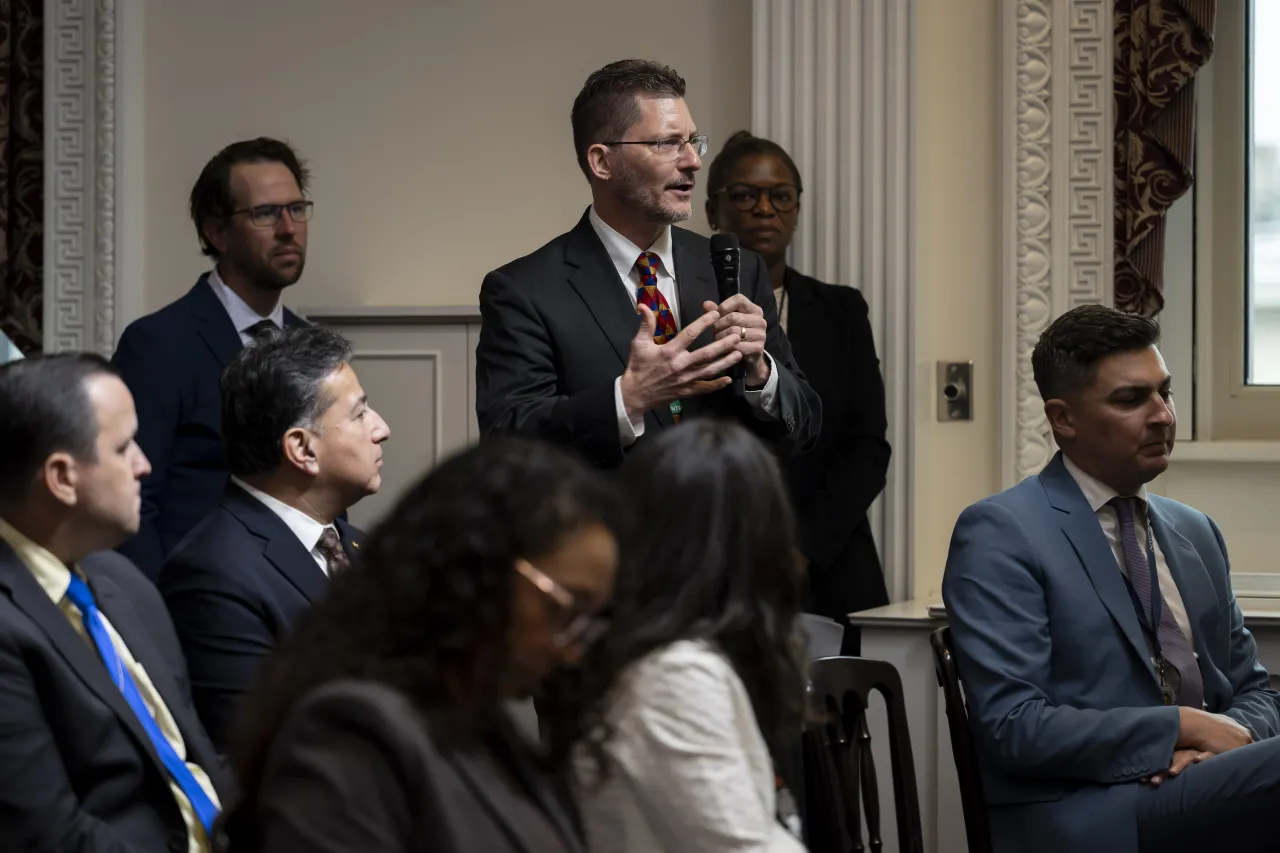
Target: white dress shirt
column 242, row 316
column 1097, row 494
column 306, row 528
column 624, row 255
column 690, row 769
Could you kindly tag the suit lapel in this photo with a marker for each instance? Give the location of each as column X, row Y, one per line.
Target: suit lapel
column 281, row 546
column 695, row 280
column 79, row 653
column 804, row 322
column 351, row 539
column 478, row 778
column 213, row 324
column 1189, row 574
column 593, row 276
column 1081, row 526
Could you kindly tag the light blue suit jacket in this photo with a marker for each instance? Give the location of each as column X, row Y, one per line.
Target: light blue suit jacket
column 1062, row 694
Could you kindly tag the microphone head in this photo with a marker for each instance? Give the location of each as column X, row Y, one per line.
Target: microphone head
column 723, row 242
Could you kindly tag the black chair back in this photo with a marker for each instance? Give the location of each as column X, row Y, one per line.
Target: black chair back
column 976, row 828
column 839, row 768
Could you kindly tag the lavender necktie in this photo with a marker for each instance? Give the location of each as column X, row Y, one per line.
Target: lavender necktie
column 1173, row 643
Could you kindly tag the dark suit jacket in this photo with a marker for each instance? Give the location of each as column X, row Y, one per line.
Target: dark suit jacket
column 172, row 361
column 234, row 587
column 77, row 770
column 355, row 770
column 1066, row 713
column 557, row 330
column 834, row 484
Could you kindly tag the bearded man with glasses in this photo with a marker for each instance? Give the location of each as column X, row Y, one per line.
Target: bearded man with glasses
column 250, row 211
column 615, row 330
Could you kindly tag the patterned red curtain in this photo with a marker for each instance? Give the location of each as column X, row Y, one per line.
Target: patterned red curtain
column 22, row 172
column 1159, row 46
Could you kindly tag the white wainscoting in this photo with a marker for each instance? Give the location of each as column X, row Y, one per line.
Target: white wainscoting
column 417, row 365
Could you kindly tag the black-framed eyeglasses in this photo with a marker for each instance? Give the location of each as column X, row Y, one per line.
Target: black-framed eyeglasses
column 782, row 197
column 578, row 625
column 670, row 147
column 267, row 215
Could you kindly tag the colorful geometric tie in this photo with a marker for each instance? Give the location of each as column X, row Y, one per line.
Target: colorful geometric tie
column 1173, row 643
column 648, row 294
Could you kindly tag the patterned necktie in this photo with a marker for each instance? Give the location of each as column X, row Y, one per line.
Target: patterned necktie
column 648, row 294
column 330, row 547
column 79, row 594
column 1173, row 643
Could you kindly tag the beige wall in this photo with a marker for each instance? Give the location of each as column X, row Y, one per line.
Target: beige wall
column 437, row 130
column 957, row 265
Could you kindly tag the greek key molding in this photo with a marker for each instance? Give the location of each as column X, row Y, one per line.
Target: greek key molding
column 1058, row 202
column 80, row 176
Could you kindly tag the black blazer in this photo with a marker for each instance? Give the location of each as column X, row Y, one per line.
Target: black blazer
column 77, row 770
column 356, row 770
column 234, row 587
column 172, row 361
column 557, row 330
column 834, row 485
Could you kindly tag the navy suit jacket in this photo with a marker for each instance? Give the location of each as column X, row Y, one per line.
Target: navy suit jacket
column 172, row 361
column 77, row 770
column 557, row 331
column 1062, row 695
column 234, row 588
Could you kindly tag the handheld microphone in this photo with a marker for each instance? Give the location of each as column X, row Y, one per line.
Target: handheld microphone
column 726, row 260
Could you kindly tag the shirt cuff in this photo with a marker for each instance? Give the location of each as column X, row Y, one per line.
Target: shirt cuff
column 629, row 428
column 765, row 400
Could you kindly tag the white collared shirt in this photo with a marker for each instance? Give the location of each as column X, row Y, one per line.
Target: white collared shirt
column 624, row 255
column 1097, row 494
column 242, row 316
column 306, row 528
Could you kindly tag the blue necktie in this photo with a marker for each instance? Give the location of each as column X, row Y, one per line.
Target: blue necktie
column 80, row 595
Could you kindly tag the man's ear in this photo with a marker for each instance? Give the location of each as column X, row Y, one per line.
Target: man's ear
column 598, row 162
column 61, row 476
column 299, row 448
column 1061, row 418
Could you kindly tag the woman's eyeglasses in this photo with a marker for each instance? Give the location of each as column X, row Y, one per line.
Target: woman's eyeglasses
column 578, row 626
column 782, row 197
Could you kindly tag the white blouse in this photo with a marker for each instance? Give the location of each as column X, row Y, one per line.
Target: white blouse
column 690, row 769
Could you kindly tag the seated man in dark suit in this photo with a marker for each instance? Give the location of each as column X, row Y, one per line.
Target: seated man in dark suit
column 1115, row 696
column 615, row 330
column 100, row 747
column 250, row 212
column 303, row 445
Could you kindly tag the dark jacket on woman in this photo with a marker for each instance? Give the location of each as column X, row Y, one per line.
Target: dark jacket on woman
column 356, row 769
column 834, row 485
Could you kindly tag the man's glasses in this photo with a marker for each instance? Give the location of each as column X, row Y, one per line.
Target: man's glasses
column 577, row 626
column 670, row 147
column 267, row 215
column 782, row 197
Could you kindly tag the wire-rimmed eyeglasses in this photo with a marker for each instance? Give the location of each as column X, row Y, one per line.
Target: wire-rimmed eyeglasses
column 267, row 215
column 670, row 147
column 577, row 625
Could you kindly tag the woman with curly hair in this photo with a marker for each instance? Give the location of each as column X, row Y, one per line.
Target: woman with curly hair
column 696, row 694
column 381, row 725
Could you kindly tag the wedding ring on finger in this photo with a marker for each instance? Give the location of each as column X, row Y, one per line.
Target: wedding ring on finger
column 742, row 333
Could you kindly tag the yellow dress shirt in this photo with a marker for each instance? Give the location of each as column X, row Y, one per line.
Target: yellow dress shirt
column 54, row 578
